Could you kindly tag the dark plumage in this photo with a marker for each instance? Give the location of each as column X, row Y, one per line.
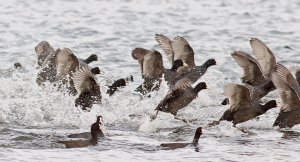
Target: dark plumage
column 289, row 93
column 179, row 96
column 91, row 58
column 257, row 71
column 173, row 146
column 95, row 133
column 17, row 65
column 46, row 62
column 57, row 64
column 95, row 70
column 179, row 48
column 197, row 72
column 244, row 104
column 44, row 51
column 152, row 68
column 117, row 84
column 86, row 85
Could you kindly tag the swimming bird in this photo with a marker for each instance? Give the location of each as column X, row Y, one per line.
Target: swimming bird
column 95, row 133
column 289, row 93
column 173, row 146
column 244, row 104
column 117, row 84
column 87, row 87
column 152, row 69
column 179, row 48
column 178, row 97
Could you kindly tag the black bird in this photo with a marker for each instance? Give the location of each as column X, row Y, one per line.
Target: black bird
column 117, row 84
column 178, row 97
column 244, row 104
column 258, row 70
column 179, row 48
column 87, row 87
column 173, row 146
column 152, row 68
column 96, row 132
column 289, row 93
column 52, row 61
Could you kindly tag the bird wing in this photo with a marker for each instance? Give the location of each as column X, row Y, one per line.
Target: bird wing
column 174, row 93
column 66, row 62
column 83, row 78
column 288, row 88
column 166, row 44
column 153, row 65
column 295, row 70
column 138, row 54
column 182, row 50
column 264, row 56
column 250, row 66
column 239, row 95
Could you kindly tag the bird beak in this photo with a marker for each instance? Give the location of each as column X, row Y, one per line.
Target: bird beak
column 184, row 64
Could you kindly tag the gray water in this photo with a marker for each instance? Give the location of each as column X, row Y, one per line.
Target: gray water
column 33, row 118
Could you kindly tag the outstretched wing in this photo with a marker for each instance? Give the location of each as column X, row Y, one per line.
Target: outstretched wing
column 153, row 65
column 166, row 44
column 138, row 54
column 183, row 50
column 287, row 86
column 264, row 56
column 239, row 95
column 66, row 62
column 251, row 68
column 175, row 92
column 83, row 78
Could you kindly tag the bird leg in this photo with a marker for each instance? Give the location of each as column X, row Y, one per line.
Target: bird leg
column 213, row 123
column 242, row 129
column 184, row 120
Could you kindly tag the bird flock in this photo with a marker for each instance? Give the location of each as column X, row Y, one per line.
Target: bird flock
column 261, row 75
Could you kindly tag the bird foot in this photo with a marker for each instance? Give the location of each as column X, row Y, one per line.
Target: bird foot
column 213, row 123
column 185, row 120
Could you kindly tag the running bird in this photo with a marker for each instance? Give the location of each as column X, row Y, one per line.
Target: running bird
column 289, row 93
column 258, row 70
column 179, row 48
column 87, row 87
column 118, row 84
column 43, row 51
column 178, row 97
column 244, row 104
column 252, row 74
column 152, row 69
column 48, row 60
